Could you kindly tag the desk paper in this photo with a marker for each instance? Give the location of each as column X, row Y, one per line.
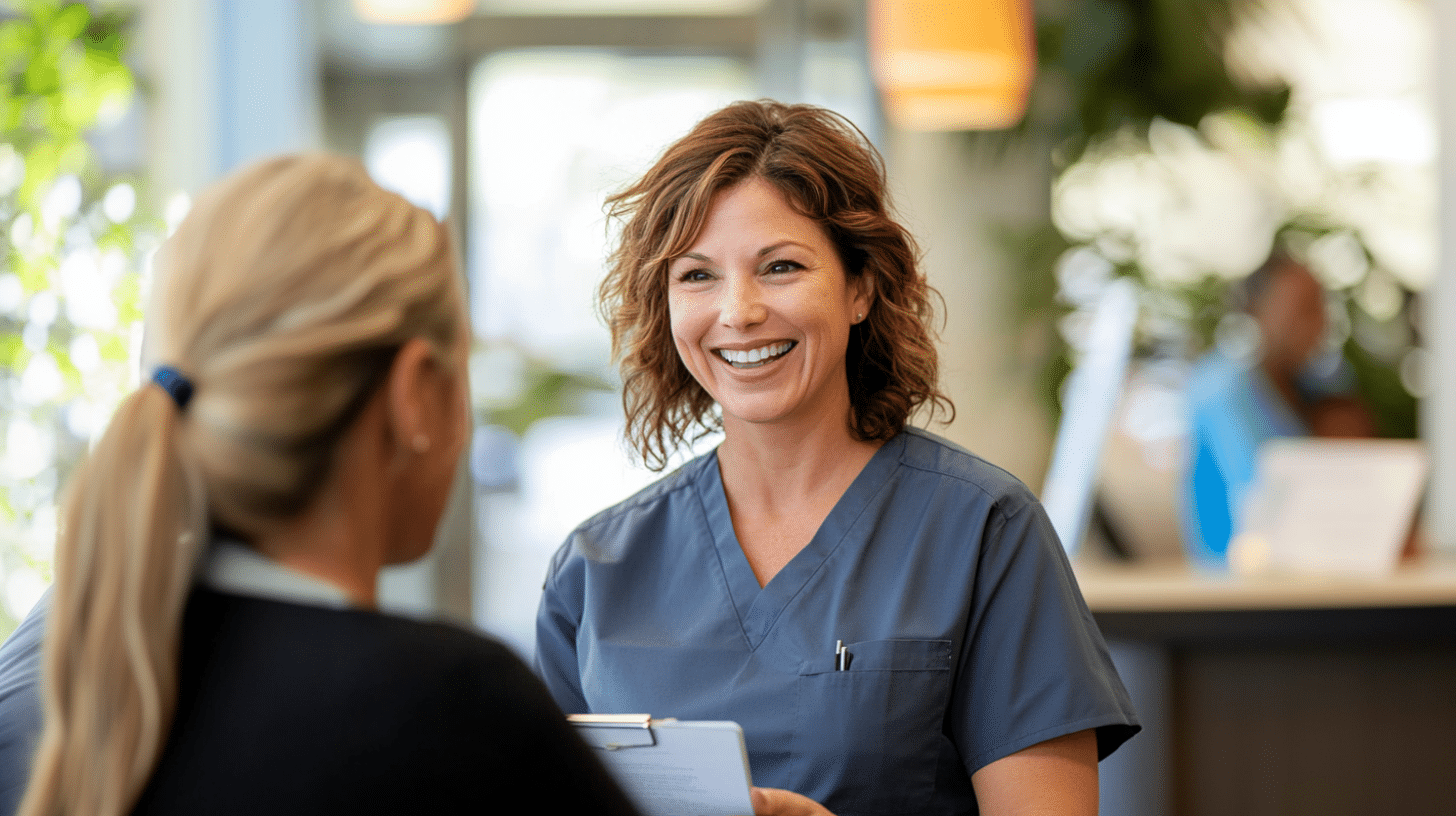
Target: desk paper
column 1331, row 506
column 688, row 768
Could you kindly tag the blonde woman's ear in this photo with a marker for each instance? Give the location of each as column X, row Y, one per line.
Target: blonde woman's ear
column 411, row 391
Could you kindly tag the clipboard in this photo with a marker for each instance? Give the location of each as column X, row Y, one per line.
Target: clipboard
column 672, row 767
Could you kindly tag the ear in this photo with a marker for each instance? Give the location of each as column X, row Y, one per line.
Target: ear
column 862, row 292
column 412, row 392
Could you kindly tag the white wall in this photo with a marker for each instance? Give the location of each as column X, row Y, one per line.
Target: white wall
column 230, row 81
column 1438, row 409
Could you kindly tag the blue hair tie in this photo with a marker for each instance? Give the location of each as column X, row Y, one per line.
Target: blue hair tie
column 172, row 381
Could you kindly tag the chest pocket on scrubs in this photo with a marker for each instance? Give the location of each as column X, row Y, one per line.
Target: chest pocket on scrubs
column 872, row 732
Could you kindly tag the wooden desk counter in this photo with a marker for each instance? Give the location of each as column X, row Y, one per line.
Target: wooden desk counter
column 1176, row 587
column 1282, row 694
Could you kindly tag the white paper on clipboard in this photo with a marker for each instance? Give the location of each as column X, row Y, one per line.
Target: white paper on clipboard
column 670, row 767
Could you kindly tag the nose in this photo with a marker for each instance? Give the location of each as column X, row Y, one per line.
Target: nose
column 741, row 305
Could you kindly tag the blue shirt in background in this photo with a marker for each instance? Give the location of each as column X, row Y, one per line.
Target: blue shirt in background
column 1234, row 409
column 20, row 715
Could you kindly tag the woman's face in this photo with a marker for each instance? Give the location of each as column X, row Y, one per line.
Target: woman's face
column 761, row 310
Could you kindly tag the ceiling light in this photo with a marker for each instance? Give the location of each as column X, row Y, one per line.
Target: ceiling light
column 413, row 12
column 952, row 66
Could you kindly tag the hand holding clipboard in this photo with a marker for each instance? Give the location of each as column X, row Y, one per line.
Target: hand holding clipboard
column 685, row 768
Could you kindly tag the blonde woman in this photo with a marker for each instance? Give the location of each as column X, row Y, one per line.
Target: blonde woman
column 212, row 644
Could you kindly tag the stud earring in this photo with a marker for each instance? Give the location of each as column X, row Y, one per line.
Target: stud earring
column 420, row 443
column 859, row 317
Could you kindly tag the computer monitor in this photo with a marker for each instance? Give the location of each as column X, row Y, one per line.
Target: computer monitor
column 1089, row 403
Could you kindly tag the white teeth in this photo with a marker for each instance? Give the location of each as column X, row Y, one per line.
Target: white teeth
column 754, row 357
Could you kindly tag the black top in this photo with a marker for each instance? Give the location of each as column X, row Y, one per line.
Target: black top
column 285, row 708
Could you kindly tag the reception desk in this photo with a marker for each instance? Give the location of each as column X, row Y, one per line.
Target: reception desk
column 1288, row 695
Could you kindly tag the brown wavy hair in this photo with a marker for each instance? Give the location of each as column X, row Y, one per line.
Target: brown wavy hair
column 828, row 171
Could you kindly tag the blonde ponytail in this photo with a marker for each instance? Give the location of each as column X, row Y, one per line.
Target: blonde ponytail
column 131, row 529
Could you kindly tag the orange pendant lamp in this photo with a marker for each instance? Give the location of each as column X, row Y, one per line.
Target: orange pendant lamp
column 952, row 64
column 413, row 12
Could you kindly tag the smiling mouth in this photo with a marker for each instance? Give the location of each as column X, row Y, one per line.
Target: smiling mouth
column 753, row 358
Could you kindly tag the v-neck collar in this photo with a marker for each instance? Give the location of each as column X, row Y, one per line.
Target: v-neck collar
column 758, row 608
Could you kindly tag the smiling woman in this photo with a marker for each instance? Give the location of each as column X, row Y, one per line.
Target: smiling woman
column 852, row 591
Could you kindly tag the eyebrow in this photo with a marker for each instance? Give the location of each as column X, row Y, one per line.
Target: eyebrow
column 768, row 250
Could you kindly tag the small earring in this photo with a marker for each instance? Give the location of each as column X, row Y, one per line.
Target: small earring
column 420, row 443
column 859, row 317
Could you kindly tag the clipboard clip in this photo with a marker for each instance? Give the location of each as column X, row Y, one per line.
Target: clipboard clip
column 613, row 732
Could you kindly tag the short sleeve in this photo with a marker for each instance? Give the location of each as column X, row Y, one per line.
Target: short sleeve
column 557, row 619
column 1033, row 665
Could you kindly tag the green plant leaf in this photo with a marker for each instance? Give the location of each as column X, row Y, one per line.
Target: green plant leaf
column 13, row 355
column 63, row 67
column 68, row 23
column 128, row 299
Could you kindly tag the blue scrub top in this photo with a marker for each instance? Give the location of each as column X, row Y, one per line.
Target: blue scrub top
column 968, row 638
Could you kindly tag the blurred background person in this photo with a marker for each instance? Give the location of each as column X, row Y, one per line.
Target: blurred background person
column 762, row 286
column 212, row 641
column 1280, row 386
